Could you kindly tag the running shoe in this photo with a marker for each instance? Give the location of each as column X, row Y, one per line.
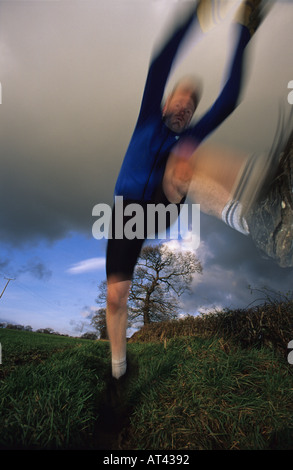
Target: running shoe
column 270, row 220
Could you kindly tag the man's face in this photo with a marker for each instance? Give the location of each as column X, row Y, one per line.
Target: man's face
column 178, row 111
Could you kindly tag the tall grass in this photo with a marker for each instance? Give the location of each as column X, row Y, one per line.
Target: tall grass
column 221, row 381
column 49, row 396
column 203, row 394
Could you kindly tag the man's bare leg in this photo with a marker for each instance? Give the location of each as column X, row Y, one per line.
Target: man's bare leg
column 116, row 317
column 252, row 194
column 210, row 178
column 215, row 174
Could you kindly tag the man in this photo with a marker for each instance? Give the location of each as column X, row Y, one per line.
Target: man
column 146, row 175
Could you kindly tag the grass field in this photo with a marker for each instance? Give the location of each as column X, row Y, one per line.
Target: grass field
column 183, row 393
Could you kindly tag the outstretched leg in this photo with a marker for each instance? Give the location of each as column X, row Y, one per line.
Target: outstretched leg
column 216, row 173
column 252, row 195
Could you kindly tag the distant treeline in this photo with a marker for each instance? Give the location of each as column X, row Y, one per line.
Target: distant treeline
column 269, row 324
column 48, row 331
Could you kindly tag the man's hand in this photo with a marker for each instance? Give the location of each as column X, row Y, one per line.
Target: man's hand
column 179, row 171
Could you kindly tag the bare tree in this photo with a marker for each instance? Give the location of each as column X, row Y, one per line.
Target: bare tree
column 160, row 278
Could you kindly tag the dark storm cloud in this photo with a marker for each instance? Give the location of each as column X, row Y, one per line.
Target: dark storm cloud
column 235, row 273
column 65, row 71
column 36, row 268
column 72, row 75
column 3, row 264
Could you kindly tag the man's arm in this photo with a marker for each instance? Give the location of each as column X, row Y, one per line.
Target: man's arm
column 160, row 67
column 225, row 104
column 229, row 95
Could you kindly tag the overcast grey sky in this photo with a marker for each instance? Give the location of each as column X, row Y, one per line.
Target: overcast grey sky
column 72, row 75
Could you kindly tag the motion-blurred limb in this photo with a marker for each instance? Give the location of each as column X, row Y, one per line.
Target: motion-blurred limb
column 270, row 218
column 251, row 193
column 209, row 176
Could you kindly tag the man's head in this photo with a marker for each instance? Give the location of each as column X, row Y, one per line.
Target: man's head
column 181, row 104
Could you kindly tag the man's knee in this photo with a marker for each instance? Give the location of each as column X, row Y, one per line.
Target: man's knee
column 117, row 294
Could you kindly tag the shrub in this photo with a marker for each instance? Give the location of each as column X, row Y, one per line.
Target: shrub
column 270, row 324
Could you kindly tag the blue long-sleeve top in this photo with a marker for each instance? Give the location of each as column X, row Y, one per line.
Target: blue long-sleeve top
column 144, row 163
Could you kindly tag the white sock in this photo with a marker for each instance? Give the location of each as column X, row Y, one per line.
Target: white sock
column 119, row 367
column 231, row 215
